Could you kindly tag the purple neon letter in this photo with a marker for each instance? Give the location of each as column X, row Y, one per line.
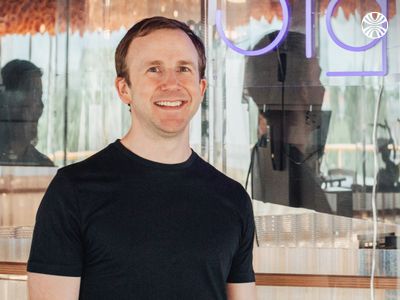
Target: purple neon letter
column 279, row 38
column 329, row 13
column 383, row 72
column 310, row 41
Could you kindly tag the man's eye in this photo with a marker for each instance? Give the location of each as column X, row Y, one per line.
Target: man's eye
column 154, row 69
column 184, row 69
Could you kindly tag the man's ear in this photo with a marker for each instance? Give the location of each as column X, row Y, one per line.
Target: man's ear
column 123, row 90
column 203, row 87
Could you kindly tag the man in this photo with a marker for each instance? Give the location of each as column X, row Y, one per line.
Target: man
column 21, row 107
column 146, row 217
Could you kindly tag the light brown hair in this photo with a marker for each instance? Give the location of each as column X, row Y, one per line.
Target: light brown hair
column 147, row 26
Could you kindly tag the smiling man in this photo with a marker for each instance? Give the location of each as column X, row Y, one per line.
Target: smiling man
column 146, row 217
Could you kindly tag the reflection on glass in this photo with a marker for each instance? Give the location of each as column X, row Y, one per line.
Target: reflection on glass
column 21, row 107
column 388, row 177
column 292, row 127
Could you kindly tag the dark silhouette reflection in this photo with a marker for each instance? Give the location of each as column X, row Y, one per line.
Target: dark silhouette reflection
column 292, row 129
column 388, row 177
column 21, row 107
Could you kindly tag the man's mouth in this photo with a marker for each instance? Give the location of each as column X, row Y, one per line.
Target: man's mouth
column 170, row 104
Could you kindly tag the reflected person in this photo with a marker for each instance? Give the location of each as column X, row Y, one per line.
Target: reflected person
column 388, row 177
column 21, row 107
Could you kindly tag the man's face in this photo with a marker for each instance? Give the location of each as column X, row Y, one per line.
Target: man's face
column 23, row 109
column 166, row 89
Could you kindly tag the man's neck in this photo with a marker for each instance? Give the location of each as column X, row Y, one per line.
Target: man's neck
column 168, row 150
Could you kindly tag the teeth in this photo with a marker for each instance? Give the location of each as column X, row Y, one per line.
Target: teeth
column 169, row 103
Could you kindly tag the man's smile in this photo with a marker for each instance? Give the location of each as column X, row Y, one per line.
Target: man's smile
column 171, row 104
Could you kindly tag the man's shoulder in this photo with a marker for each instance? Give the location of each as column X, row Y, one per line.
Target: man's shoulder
column 98, row 162
column 212, row 172
column 37, row 157
column 220, row 181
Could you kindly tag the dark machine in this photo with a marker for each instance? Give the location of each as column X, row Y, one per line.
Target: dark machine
column 292, row 129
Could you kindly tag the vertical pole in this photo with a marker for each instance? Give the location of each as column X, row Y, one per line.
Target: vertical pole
column 66, row 81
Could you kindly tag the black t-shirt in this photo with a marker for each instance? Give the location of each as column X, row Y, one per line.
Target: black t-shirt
column 132, row 228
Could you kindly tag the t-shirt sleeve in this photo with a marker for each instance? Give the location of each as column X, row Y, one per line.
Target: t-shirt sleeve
column 242, row 263
column 56, row 243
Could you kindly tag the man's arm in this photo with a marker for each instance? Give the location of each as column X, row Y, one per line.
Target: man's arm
column 241, row 291
column 52, row 287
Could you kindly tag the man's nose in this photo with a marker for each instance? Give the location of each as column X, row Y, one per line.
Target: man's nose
column 170, row 80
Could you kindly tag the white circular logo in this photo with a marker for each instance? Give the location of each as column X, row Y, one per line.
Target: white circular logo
column 374, row 25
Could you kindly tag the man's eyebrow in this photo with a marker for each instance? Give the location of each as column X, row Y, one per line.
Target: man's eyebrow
column 186, row 62
column 159, row 62
column 152, row 62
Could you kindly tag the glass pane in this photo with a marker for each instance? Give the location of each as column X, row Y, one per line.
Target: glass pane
column 308, row 111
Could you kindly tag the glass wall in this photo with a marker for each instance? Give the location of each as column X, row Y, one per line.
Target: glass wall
column 312, row 114
column 302, row 108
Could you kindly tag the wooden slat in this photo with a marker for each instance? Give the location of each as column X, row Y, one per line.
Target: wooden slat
column 12, row 268
column 326, row 281
column 23, row 190
column 268, row 279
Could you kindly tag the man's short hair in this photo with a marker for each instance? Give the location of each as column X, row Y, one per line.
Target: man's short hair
column 147, row 26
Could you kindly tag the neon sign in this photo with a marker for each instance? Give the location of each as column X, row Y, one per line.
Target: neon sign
column 310, row 40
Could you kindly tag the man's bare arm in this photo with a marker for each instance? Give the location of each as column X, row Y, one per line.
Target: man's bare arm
column 52, row 287
column 241, row 291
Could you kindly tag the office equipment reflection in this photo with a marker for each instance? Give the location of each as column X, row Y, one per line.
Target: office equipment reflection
column 21, row 107
column 293, row 129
